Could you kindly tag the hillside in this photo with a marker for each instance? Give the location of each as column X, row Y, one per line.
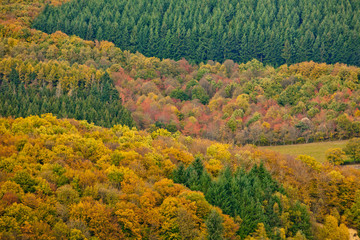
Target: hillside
column 246, row 103
column 97, row 142
column 230, row 102
column 67, row 179
column 274, row 32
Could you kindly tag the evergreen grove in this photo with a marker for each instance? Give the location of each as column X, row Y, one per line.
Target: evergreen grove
column 98, row 103
column 274, row 32
column 250, row 197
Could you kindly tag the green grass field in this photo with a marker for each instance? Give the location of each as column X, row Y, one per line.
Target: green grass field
column 316, row 150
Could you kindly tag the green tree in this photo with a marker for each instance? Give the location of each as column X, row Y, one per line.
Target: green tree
column 199, row 93
column 214, row 226
column 352, row 149
column 353, row 213
column 286, row 52
column 25, row 180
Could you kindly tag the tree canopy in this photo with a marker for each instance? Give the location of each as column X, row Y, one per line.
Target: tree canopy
column 274, row 32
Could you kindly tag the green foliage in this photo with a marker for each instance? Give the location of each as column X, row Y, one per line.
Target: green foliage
column 215, row 229
column 250, row 196
column 232, row 124
column 255, row 117
column 299, row 211
column 67, row 195
column 353, row 213
column 169, row 127
column 199, row 93
column 289, row 96
column 115, row 176
column 352, row 149
column 179, row 94
column 274, row 33
column 98, row 103
column 68, row 179
column 24, row 179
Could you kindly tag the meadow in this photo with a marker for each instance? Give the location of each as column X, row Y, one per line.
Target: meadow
column 316, row 150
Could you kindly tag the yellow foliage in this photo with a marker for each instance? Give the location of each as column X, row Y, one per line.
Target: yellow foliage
column 128, row 216
column 168, row 167
column 160, row 132
column 219, row 151
column 215, row 104
column 214, row 166
column 174, row 109
column 229, row 108
column 179, row 213
column 266, row 125
column 43, row 186
column 177, row 155
column 243, row 101
column 202, row 206
column 167, row 187
column 149, row 199
column 332, row 231
column 96, row 216
column 310, row 161
column 230, row 227
column 259, row 234
column 10, row 186
column 335, row 156
column 192, row 119
column 63, row 152
column 128, row 157
column 336, row 175
column 357, row 113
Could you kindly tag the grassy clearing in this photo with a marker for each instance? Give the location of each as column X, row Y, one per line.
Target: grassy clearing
column 316, row 150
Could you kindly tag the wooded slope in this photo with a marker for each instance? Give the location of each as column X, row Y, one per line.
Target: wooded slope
column 274, row 32
column 67, row 179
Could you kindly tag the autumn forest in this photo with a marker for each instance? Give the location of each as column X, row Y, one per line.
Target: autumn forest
column 144, row 119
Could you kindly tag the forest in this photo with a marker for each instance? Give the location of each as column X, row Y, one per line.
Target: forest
column 235, row 103
column 98, row 103
column 274, row 32
column 68, row 179
column 98, row 142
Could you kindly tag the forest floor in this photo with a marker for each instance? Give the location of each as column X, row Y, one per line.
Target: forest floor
column 316, row 150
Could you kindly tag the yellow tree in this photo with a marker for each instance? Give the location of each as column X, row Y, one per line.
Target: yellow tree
column 332, row 231
column 335, row 156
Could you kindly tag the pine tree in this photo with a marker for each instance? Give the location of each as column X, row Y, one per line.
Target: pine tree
column 286, row 52
column 179, row 175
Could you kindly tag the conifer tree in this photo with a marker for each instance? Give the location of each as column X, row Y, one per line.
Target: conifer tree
column 214, row 226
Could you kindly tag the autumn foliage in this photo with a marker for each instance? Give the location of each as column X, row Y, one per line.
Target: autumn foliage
column 73, row 179
column 236, row 103
column 100, row 143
